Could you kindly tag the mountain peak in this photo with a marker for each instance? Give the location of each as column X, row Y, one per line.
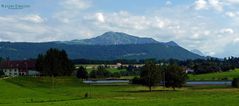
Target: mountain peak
column 171, row 43
column 116, row 38
column 115, row 34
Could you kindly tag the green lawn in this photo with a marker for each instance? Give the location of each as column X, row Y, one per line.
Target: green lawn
column 113, row 70
column 27, row 91
column 216, row 76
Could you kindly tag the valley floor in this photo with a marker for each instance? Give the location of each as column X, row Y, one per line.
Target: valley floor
column 65, row 91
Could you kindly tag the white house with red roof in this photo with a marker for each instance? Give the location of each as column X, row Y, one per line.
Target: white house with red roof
column 19, row 68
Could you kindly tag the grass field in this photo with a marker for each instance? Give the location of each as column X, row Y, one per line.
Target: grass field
column 27, row 91
column 216, row 76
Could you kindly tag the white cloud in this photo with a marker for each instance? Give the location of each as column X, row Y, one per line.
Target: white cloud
column 33, row 18
column 216, row 4
column 230, row 14
column 206, row 4
column 233, row 1
column 25, row 28
column 76, row 4
column 227, row 31
column 100, row 17
column 200, row 4
column 236, row 40
column 168, row 3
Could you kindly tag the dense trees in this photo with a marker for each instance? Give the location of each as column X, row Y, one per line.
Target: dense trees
column 150, row 75
column 211, row 65
column 54, row 63
column 101, row 72
column 200, row 66
column 82, row 73
column 174, row 76
column 169, row 75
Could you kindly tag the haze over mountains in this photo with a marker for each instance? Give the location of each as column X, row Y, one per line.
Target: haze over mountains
column 197, row 52
column 108, row 46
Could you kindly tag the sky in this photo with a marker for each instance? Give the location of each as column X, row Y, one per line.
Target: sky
column 211, row 26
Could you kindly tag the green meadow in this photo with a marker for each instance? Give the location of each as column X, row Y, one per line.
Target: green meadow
column 216, row 76
column 69, row 91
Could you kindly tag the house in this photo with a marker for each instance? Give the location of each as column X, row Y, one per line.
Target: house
column 188, row 70
column 19, row 68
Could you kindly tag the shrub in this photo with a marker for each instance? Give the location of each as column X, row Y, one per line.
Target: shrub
column 136, row 80
column 82, row 73
column 235, row 82
column 116, row 74
column 1, row 73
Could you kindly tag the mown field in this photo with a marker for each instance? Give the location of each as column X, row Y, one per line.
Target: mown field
column 28, row 91
column 216, row 76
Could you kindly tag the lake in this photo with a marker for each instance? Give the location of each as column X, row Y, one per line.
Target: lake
column 187, row 83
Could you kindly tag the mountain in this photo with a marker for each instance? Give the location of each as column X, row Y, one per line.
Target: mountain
column 113, row 38
column 108, row 46
column 21, row 50
column 197, row 52
column 170, row 43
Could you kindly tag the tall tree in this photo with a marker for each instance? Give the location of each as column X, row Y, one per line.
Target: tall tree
column 150, row 75
column 175, row 76
column 54, row 63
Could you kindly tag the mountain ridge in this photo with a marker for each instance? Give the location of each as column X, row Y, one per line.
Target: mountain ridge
column 113, row 38
column 20, row 51
column 120, row 46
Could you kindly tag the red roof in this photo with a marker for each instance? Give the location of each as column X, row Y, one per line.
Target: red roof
column 25, row 64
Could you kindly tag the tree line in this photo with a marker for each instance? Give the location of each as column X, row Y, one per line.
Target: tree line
column 151, row 75
column 199, row 66
column 166, row 75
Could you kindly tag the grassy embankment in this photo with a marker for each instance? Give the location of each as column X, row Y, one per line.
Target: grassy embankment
column 28, row 91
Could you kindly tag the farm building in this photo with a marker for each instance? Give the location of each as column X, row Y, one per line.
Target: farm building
column 19, row 68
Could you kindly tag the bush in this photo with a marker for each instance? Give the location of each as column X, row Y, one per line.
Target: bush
column 136, row 80
column 82, row 73
column 101, row 72
column 235, row 82
column 116, row 74
column 1, row 73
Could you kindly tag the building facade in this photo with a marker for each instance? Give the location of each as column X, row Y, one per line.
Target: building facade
column 19, row 68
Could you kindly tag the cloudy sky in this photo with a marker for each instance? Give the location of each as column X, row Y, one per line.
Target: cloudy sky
column 211, row 26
